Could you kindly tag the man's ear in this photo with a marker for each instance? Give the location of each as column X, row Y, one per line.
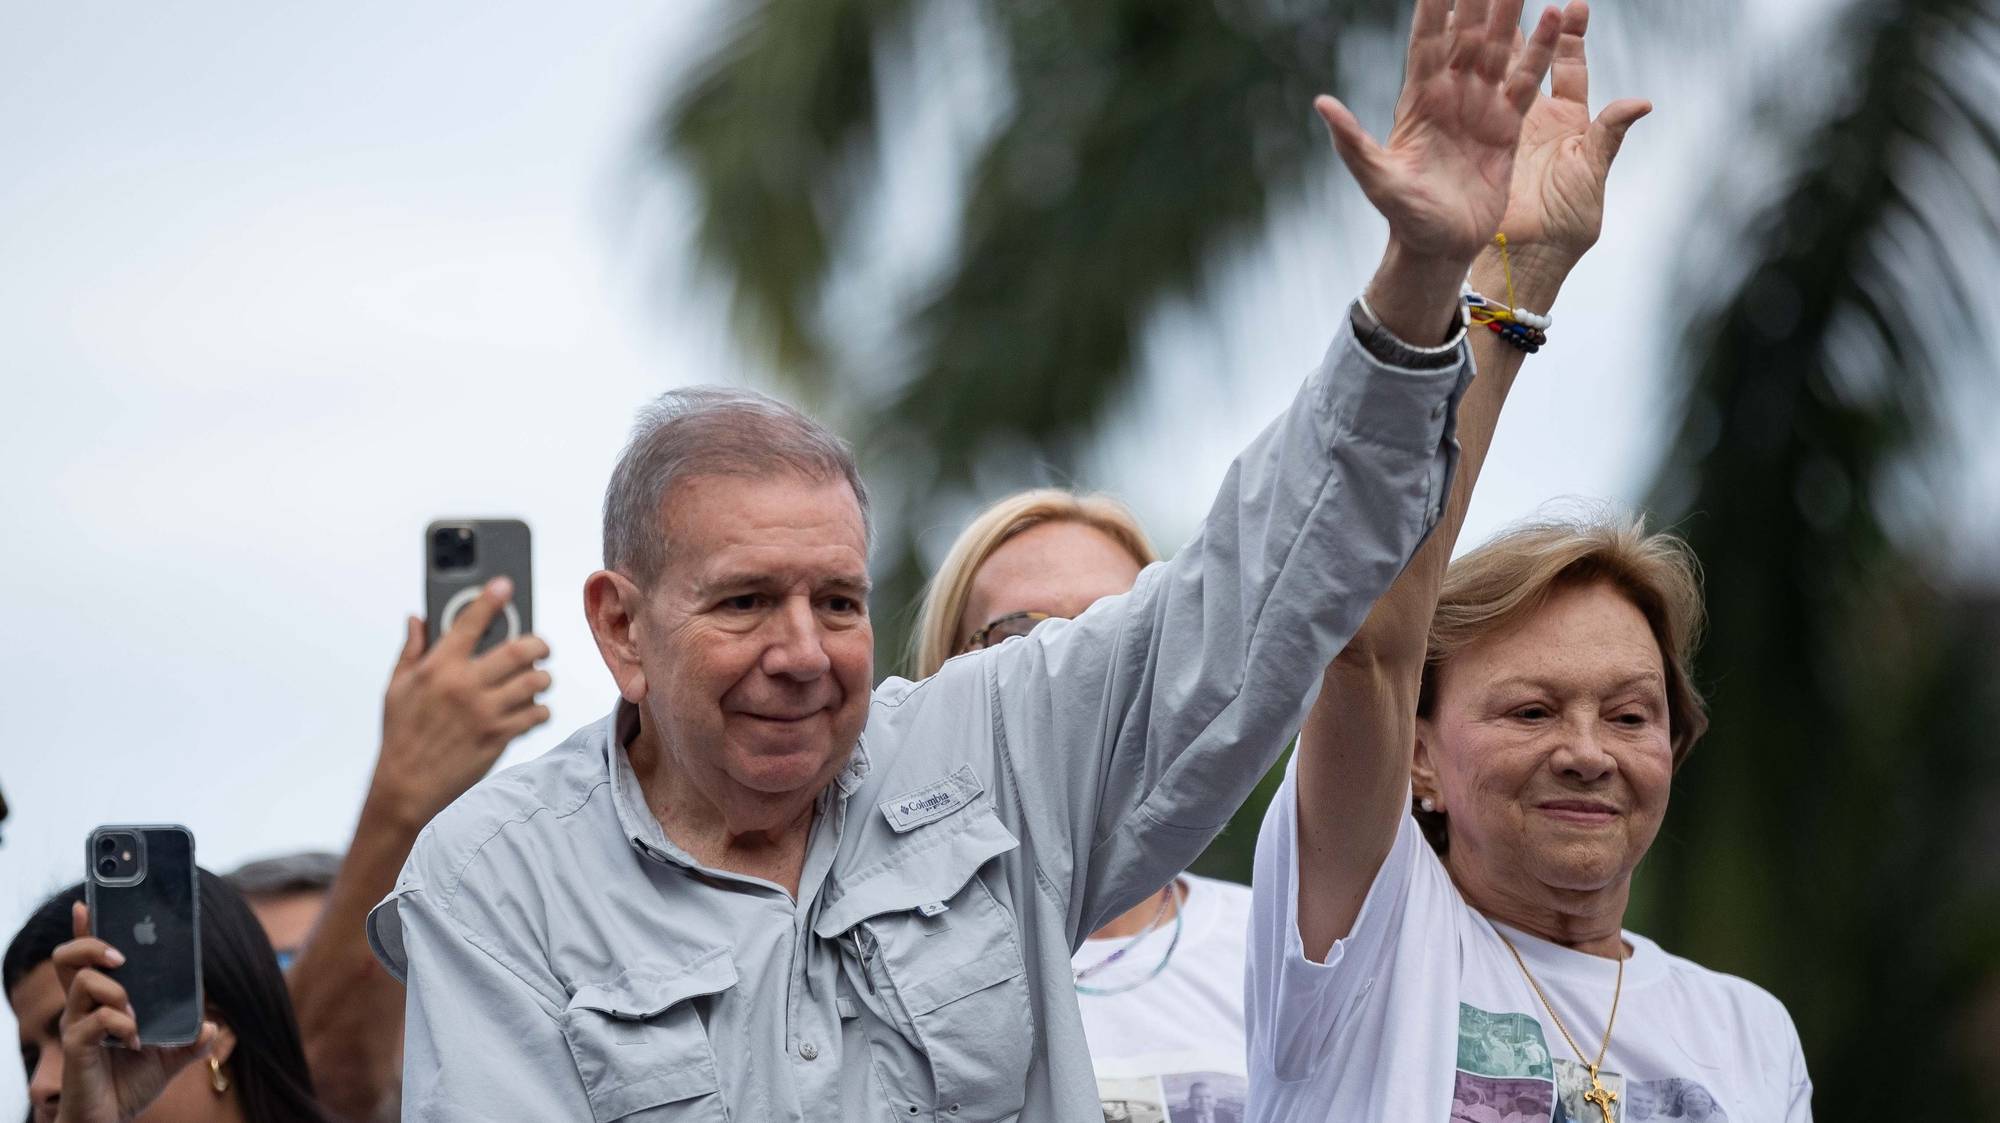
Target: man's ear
column 1423, row 769
column 613, row 604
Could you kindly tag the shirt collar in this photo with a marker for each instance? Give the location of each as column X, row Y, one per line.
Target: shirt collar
column 635, row 818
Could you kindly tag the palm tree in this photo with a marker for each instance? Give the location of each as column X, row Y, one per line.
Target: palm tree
column 1824, row 820
column 1818, row 841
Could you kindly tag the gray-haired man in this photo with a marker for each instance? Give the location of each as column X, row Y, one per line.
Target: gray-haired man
column 756, row 892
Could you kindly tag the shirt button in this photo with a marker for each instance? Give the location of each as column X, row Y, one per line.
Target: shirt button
column 954, row 1109
column 809, row 1051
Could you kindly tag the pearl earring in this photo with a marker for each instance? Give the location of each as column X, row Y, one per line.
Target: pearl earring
column 1428, row 804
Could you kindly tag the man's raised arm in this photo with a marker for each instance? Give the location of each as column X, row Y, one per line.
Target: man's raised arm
column 1189, row 686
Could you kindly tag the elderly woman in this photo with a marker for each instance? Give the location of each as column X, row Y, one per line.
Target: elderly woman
column 1551, row 709
column 1160, row 987
column 1448, row 862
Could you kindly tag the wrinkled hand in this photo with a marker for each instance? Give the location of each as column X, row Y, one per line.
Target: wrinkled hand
column 448, row 713
column 1557, row 201
column 101, row 1083
column 1442, row 180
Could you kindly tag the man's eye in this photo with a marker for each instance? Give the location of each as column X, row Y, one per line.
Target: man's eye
column 743, row 602
column 843, row 605
column 1633, row 720
column 1532, row 713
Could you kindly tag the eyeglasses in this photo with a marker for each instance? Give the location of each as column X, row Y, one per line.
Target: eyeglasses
column 1006, row 627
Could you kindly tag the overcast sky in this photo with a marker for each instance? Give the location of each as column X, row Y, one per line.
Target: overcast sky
column 282, row 283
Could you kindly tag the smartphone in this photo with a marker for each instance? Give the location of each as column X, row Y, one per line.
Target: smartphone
column 460, row 557
column 140, row 883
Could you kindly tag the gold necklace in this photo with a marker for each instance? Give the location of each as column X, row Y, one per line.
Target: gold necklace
column 1598, row 1095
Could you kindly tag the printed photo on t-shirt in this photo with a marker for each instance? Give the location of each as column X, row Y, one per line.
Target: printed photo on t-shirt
column 1573, row 1090
column 1205, row 1097
column 1507, row 1045
column 1132, row 1100
column 1483, row 1099
column 1676, row 1099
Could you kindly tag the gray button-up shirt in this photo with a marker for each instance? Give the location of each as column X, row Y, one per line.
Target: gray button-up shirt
column 565, row 960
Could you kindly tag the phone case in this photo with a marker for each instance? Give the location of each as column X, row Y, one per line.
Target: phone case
column 156, row 923
column 500, row 547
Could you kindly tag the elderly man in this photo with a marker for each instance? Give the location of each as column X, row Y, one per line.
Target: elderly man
column 755, row 892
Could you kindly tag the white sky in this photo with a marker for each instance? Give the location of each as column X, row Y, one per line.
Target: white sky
column 283, row 283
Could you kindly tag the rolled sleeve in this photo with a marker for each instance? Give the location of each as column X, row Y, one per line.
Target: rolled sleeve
column 1138, row 728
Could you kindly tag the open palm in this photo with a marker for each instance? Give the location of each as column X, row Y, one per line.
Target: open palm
column 1444, row 175
column 1564, row 157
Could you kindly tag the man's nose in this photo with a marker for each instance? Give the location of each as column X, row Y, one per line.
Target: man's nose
column 45, row 1082
column 796, row 650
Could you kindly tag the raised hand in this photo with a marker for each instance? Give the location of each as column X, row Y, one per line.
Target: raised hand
column 1557, row 201
column 105, row 1084
column 448, row 713
column 1442, row 179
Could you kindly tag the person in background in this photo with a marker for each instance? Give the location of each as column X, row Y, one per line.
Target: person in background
column 287, row 892
column 1160, row 986
column 446, row 717
column 247, row 1067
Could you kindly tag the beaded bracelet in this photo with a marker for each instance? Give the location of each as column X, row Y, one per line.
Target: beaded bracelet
column 1520, row 328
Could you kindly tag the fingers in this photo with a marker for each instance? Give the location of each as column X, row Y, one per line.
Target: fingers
column 1607, row 133
column 473, row 621
column 97, row 999
column 522, row 720
column 1526, row 81
column 1571, row 81
column 510, row 659
column 1355, row 147
column 413, row 645
column 520, row 690
column 89, row 1031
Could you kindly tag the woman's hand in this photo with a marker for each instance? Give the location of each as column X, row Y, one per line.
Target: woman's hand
column 1556, row 206
column 104, row 1083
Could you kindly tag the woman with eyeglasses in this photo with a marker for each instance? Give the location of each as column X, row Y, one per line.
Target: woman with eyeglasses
column 1161, row 987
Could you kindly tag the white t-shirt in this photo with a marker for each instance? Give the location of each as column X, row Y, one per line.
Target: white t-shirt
column 1421, row 1014
column 1170, row 1050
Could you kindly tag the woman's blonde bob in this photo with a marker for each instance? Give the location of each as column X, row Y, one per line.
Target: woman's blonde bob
column 938, row 635
column 1495, row 586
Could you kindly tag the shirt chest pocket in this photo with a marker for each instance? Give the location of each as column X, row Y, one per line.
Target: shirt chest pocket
column 640, row 1045
column 926, row 938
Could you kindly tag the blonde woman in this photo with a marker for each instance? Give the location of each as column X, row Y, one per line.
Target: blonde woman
column 1161, row 987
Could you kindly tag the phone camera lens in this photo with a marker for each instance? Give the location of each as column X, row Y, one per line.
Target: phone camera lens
column 106, row 844
column 108, row 867
column 453, row 547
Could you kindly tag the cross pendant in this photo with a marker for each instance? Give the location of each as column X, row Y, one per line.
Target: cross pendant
column 1601, row 1096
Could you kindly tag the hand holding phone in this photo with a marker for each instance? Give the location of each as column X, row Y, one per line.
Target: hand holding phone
column 131, row 977
column 110, row 1071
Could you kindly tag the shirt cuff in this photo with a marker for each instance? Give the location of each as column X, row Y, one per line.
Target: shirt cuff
column 1386, row 347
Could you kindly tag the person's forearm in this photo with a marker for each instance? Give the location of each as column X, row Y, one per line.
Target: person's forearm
column 350, row 1010
column 1415, row 296
column 1354, row 749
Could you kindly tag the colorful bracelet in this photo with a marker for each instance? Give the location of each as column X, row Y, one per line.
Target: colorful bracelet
column 1522, row 329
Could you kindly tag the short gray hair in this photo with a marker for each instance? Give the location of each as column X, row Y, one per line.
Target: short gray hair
column 308, row 871
column 710, row 431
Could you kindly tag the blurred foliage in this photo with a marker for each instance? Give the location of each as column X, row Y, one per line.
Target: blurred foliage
column 1826, row 840
column 1823, row 838
column 1144, row 139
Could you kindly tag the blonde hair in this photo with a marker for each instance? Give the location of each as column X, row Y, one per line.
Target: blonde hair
column 1492, row 588
column 945, row 597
